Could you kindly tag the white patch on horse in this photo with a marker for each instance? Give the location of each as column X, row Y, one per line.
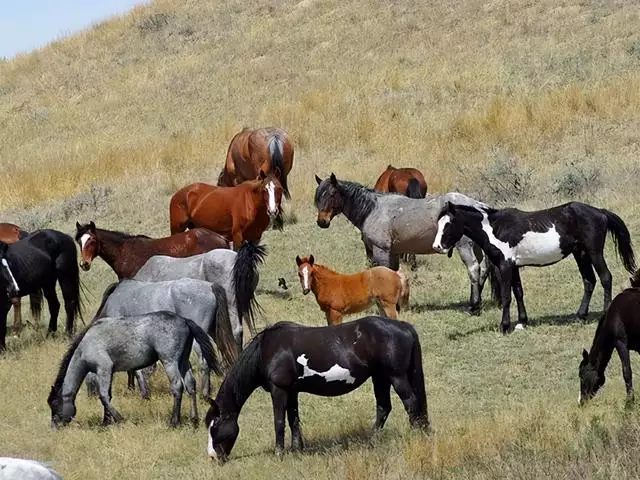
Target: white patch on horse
column 437, row 242
column 539, row 248
column 335, row 374
column 580, row 398
column 84, row 239
column 13, row 279
column 210, row 450
column 305, row 278
column 504, row 247
column 271, row 191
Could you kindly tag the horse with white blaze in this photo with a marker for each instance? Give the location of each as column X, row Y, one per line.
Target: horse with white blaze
column 513, row 238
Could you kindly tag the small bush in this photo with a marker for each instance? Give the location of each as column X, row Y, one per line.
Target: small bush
column 578, row 181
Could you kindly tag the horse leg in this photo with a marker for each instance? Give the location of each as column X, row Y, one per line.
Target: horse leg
column 175, row 380
column 297, row 444
column 66, row 285
column 518, row 292
column 334, row 317
column 402, row 386
column 382, row 391
column 93, row 389
column 468, row 257
column 54, row 306
column 4, row 309
column 588, row 279
column 279, row 399
column 190, row 387
column 205, row 377
column 387, row 309
column 104, row 377
column 506, row 274
column 623, row 352
column 142, row 383
column 605, row 276
column 368, row 249
column 17, row 315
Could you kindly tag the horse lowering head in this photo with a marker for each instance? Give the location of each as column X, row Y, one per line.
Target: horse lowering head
column 590, row 379
column 450, row 230
column 6, row 275
column 328, row 200
column 86, row 238
column 272, row 192
column 223, row 432
column 62, row 412
column 305, row 271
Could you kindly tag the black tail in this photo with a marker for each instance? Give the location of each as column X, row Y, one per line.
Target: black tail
column 108, row 291
column 621, row 240
column 635, row 279
column 414, row 189
column 495, row 283
column 223, row 334
column 416, row 378
column 202, row 339
column 245, row 281
column 35, row 304
column 276, row 147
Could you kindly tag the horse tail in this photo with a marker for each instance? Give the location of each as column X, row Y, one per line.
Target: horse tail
column 403, row 301
column 223, row 335
column 635, row 279
column 416, row 378
column 245, row 280
column 202, row 339
column 621, row 240
column 494, row 282
column 35, row 304
column 276, row 149
column 414, row 189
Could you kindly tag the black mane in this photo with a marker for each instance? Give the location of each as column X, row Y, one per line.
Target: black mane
column 121, row 236
column 358, row 200
column 56, row 388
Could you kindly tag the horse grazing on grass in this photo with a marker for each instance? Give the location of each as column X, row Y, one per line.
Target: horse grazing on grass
column 125, row 254
column 339, row 294
column 286, row 359
column 116, row 344
column 512, row 239
column 32, row 266
column 392, row 225
column 259, row 150
column 10, row 233
column 405, row 181
column 618, row 328
column 238, row 213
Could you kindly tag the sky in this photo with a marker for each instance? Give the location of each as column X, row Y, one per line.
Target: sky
column 29, row 24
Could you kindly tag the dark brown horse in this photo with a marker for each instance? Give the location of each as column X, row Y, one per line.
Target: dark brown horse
column 253, row 151
column 126, row 254
column 239, row 213
column 406, row 181
column 10, row 233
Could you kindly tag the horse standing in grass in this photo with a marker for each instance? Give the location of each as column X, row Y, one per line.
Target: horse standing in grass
column 512, row 239
column 10, row 233
column 238, row 213
column 117, row 344
column 253, row 151
column 392, row 225
column 32, row 266
column 125, row 254
column 286, row 359
column 619, row 329
column 339, row 294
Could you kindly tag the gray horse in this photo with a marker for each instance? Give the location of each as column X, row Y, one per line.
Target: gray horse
column 115, row 344
column 235, row 272
column 392, row 225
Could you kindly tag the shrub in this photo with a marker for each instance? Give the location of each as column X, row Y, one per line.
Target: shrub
column 578, row 181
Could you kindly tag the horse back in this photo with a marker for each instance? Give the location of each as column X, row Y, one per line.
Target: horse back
column 622, row 320
column 10, row 233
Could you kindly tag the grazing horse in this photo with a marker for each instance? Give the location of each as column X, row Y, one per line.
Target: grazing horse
column 392, row 225
column 512, row 239
column 22, row 469
column 253, row 151
column 10, row 233
column 339, row 294
column 286, row 359
column 239, row 213
column 125, row 254
column 618, row 328
column 32, row 266
column 116, row 344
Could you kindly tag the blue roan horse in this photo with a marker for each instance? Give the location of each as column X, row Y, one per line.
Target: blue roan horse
column 512, row 238
column 287, row 358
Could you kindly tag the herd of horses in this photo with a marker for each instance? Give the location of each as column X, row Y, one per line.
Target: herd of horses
column 180, row 292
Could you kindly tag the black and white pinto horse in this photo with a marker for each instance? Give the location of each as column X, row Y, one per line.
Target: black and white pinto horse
column 32, row 266
column 286, row 359
column 512, row 239
column 393, row 225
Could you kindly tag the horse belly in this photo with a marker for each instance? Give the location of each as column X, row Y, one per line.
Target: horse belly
column 539, row 248
column 321, row 387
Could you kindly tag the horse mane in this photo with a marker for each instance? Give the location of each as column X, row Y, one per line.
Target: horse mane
column 361, row 200
column 56, row 388
column 118, row 236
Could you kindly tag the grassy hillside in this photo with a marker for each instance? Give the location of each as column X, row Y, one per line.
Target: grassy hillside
column 520, row 103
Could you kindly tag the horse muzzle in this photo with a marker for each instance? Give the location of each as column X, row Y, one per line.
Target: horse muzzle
column 305, row 291
column 323, row 223
column 85, row 266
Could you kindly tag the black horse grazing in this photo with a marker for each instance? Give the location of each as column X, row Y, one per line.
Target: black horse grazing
column 32, row 266
column 512, row 238
column 287, row 358
column 619, row 328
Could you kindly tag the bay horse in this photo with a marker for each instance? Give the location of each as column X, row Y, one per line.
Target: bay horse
column 238, row 213
column 10, row 233
column 125, row 253
column 619, row 329
column 339, row 294
column 116, row 344
column 392, row 225
column 513, row 238
column 32, row 266
column 252, row 151
column 286, row 359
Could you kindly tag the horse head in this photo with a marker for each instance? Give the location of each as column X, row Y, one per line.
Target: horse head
column 223, row 432
column 62, row 412
column 328, row 200
column 450, row 230
column 272, row 193
column 590, row 379
column 89, row 246
column 305, row 272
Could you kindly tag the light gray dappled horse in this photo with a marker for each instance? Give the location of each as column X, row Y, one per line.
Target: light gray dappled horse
column 116, row 344
column 235, row 272
column 392, row 225
column 23, row 469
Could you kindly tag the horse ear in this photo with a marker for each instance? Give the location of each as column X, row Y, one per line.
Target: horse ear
column 214, row 406
column 298, row 260
column 261, row 175
column 450, row 253
column 311, row 259
column 585, row 355
column 77, row 226
column 277, row 173
column 92, row 226
column 318, row 180
column 451, row 207
column 333, row 179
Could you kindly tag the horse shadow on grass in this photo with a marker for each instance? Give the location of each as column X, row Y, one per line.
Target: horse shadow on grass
column 432, row 307
column 281, row 294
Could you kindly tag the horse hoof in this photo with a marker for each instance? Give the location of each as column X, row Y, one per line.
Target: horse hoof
column 475, row 311
column 519, row 326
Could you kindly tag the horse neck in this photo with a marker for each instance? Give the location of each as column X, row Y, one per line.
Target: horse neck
column 358, row 202
column 240, row 382
column 109, row 246
column 320, row 277
column 76, row 372
column 472, row 220
column 601, row 349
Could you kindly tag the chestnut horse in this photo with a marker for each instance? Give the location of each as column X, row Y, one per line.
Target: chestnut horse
column 10, row 233
column 406, row 181
column 253, row 151
column 239, row 213
column 126, row 254
column 338, row 294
